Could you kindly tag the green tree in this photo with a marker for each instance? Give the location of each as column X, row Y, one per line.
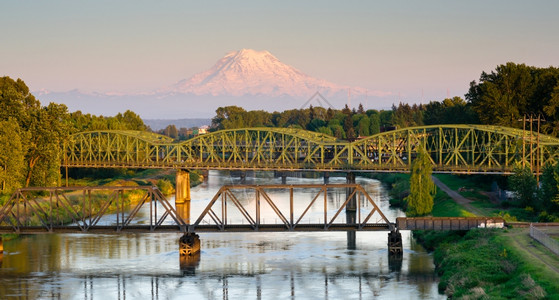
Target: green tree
column 16, row 102
column 363, row 126
column 326, row 130
column 386, row 118
column 422, row 189
column 171, row 131
column 374, row 120
column 348, row 123
column 505, row 95
column 12, row 156
column 360, row 109
column 549, row 190
column 42, row 130
column 48, row 129
column 450, row 111
column 130, row 121
column 229, row 117
column 523, row 184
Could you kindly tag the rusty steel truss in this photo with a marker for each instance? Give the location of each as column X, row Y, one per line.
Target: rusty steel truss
column 452, row 148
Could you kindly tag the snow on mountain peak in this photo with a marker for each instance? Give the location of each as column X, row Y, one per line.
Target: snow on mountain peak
column 251, row 72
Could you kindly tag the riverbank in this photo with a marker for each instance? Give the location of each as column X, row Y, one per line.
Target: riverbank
column 484, row 263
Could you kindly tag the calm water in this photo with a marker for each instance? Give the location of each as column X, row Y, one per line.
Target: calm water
column 231, row 265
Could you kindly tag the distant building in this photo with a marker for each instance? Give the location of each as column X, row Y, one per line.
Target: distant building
column 203, row 129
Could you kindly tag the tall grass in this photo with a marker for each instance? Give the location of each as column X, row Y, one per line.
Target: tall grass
column 479, row 265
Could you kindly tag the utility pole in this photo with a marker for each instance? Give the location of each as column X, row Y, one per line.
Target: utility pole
column 535, row 162
column 524, row 142
column 531, row 145
column 538, row 153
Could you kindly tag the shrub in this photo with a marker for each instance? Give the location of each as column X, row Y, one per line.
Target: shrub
column 165, row 186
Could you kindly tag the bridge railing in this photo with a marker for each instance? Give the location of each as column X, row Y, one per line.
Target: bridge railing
column 449, row 223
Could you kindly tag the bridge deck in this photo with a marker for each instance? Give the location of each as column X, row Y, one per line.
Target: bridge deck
column 200, row 228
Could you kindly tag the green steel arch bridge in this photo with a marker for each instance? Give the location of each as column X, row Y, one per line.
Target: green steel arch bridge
column 452, row 148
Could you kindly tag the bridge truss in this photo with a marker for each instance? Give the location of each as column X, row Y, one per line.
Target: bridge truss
column 452, row 148
column 108, row 210
column 87, row 209
column 357, row 211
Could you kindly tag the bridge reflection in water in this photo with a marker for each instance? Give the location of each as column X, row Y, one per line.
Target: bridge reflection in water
column 259, row 266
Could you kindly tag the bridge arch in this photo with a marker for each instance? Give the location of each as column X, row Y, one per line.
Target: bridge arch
column 457, row 148
column 452, row 148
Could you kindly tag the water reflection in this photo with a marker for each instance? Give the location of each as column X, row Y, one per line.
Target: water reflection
column 296, row 265
column 260, row 286
column 189, row 264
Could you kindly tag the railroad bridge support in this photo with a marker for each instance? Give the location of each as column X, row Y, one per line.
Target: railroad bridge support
column 351, row 210
column 182, row 194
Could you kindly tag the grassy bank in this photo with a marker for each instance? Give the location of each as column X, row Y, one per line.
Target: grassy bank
column 483, row 263
column 490, row 264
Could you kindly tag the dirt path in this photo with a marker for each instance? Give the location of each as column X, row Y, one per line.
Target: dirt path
column 465, row 202
column 531, row 248
column 520, row 238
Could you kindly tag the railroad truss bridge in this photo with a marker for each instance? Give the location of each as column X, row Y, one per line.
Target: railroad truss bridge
column 108, row 210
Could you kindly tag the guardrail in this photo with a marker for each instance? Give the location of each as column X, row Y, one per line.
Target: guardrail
column 448, row 223
column 544, row 239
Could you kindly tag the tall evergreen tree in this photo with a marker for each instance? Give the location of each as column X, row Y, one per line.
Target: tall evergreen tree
column 422, row 189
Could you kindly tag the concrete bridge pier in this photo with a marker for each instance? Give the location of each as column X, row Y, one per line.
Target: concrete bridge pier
column 326, row 177
column 283, row 177
column 182, row 195
column 350, row 211
column 395, row 246
column 189, row 253
column 189, row 244
column 352, row 203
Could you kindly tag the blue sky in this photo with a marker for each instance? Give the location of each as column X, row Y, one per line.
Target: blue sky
column 413, row 49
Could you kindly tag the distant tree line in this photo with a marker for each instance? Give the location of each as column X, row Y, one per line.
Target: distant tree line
column 31, row 135
column 349, row 124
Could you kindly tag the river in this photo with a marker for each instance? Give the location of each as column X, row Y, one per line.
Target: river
column 287, row 265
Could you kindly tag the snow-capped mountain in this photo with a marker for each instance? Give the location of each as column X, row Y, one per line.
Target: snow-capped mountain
column 256, row 73
column 247, row 78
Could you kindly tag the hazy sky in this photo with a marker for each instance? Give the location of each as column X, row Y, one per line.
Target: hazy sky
column 404, row 47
